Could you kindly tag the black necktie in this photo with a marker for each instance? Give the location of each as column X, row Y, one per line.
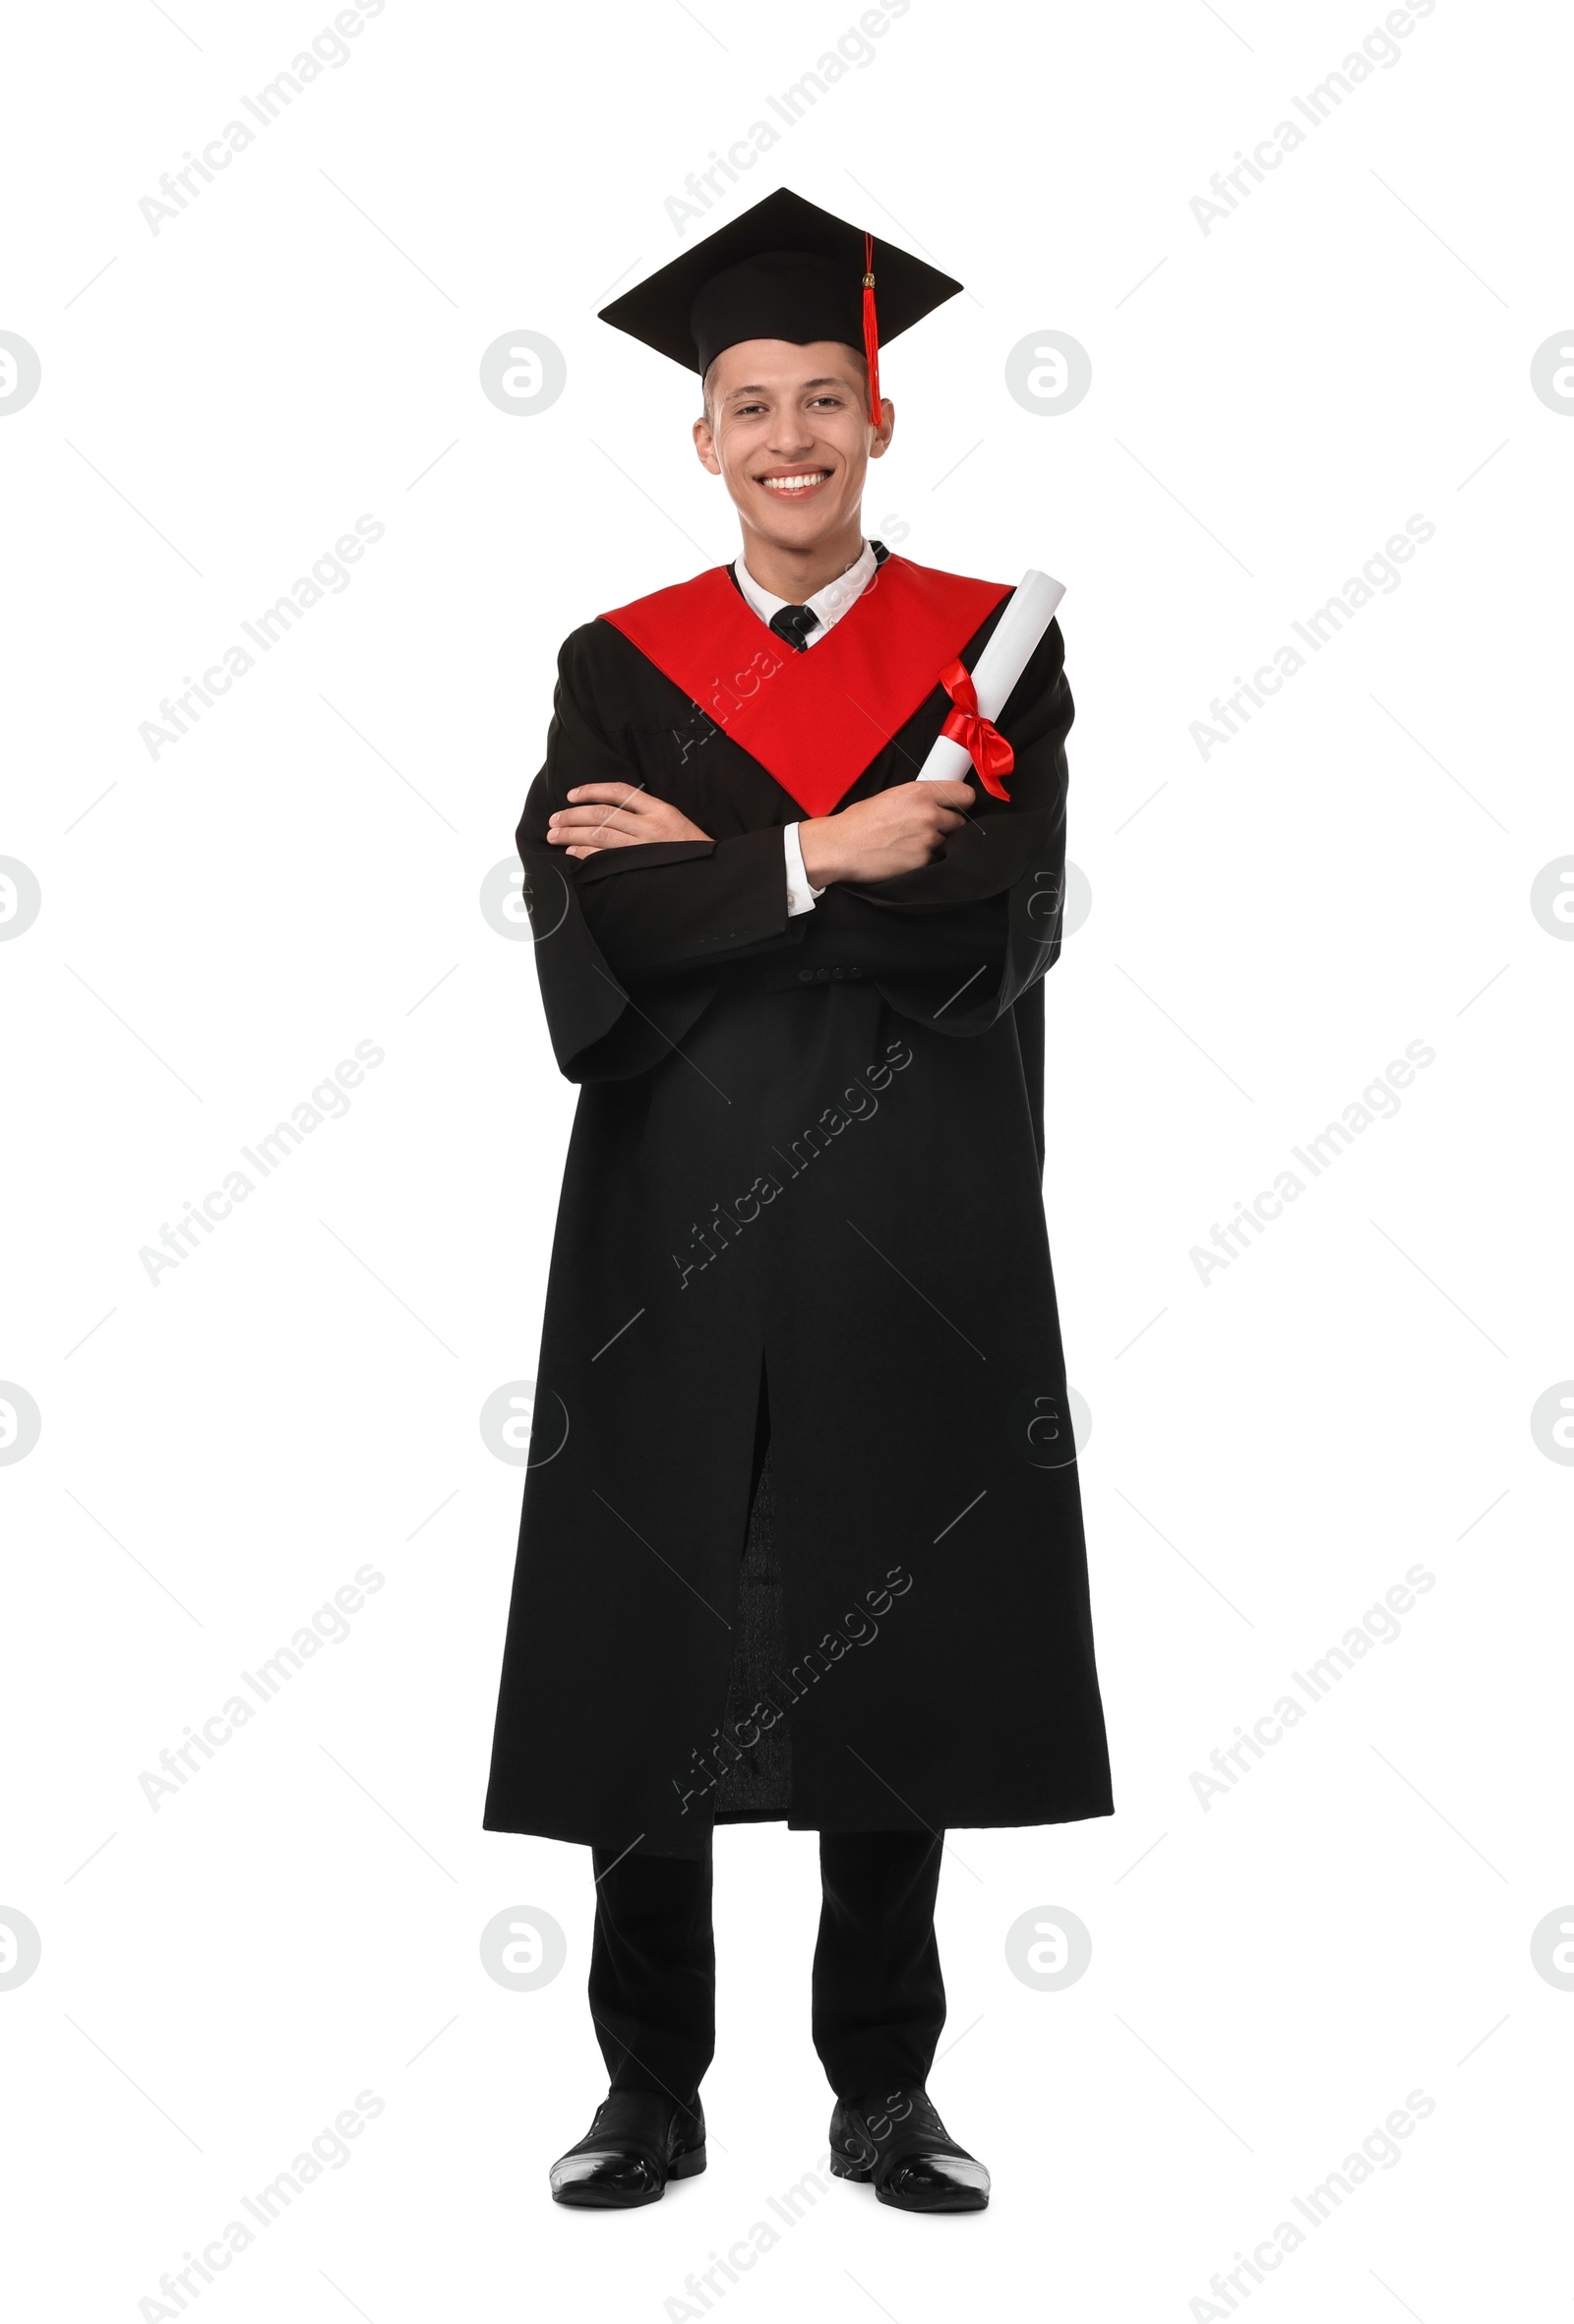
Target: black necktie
column 794, row 622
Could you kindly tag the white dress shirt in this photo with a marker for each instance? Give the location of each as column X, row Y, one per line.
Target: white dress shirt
column 830, row 604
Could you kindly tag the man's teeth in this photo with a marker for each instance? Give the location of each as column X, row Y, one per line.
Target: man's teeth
column 790, row 484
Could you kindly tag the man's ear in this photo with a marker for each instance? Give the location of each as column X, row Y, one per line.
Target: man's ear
column 705, row 445
column 886, row 429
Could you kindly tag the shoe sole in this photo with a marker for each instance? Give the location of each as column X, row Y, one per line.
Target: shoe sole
column 956, row 2199
column 589, row 2198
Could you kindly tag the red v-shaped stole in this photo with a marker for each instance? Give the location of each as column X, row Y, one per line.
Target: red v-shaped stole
column 813, row 720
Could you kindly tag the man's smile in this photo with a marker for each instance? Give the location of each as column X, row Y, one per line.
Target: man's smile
column 793, row 483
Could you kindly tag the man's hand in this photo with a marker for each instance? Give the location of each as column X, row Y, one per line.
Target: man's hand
column 897, row 830
column 617, row 816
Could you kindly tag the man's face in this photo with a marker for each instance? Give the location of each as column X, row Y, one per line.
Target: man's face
column 787, row 429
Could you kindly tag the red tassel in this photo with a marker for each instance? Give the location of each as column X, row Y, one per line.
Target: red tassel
column 871, row 331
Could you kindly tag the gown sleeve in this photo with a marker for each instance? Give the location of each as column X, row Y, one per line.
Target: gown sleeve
column 660, row 921
column 960, row 942
column 632, row 943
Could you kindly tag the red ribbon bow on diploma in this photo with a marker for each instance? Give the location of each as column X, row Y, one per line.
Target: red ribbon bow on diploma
column 992, row 754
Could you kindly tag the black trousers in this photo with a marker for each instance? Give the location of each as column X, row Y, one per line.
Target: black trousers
column 878, row 2001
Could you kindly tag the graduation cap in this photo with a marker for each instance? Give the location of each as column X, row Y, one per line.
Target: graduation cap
column 783, row 271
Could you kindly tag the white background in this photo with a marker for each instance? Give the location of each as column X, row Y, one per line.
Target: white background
column 1270, row 1976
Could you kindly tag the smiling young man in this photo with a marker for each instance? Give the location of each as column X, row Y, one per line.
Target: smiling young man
column 801, row 1537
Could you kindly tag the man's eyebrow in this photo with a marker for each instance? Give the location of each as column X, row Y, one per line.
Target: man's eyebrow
column 831, row 380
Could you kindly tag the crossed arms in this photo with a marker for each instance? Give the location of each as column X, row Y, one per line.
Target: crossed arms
column 948, row 901
column 897, row 830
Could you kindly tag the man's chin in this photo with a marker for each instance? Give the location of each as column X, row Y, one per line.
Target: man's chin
column 795, row 527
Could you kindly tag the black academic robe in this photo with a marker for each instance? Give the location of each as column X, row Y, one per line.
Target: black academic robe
column 802, row 1210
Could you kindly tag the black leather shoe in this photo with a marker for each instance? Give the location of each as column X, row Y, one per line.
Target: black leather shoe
column 897, row 2142
column 637, row 2141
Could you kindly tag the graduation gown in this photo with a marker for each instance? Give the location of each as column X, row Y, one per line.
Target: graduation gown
column 801, row 1535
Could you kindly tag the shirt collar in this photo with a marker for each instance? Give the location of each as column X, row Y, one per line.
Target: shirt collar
column 829, row 603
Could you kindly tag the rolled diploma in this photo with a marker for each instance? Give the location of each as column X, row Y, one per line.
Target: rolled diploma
column 1028, row 614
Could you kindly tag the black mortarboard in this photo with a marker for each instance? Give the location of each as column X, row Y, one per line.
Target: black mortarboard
column 783, row 271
